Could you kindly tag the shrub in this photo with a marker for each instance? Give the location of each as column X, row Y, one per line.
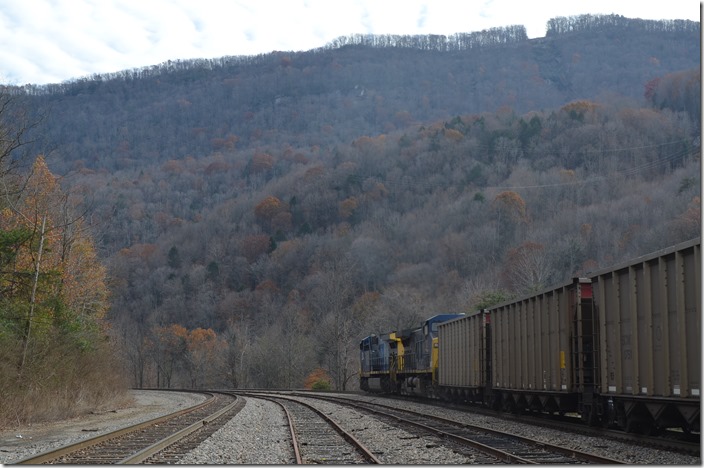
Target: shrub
column 321, row 385
column 319, row 379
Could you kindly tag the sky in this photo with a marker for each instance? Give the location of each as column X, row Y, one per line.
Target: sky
column 51, row 41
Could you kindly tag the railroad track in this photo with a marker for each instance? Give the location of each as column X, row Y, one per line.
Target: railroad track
column 316, row 438
column 676, row 442
column 161, row 440
column 507, row 448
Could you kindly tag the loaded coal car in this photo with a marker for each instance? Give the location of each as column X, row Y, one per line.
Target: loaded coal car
column 402, row 362
column 650, row 345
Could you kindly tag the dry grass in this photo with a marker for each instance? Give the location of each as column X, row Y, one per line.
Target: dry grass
column 57, row 383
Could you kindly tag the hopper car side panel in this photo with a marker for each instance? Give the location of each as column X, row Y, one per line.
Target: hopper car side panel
column 532, row 356
column 650, row 315
column 462, row 362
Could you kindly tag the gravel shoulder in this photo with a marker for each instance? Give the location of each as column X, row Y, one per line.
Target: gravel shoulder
column 27, row 440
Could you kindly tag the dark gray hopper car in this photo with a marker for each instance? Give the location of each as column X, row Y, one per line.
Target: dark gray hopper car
column 650, row 351
column 619, row 347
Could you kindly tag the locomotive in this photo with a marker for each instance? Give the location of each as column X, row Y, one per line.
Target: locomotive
column 620, row 348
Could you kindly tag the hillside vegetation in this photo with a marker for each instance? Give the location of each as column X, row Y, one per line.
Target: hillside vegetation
column 259, row 216
column 54, row 358
column 355, row 86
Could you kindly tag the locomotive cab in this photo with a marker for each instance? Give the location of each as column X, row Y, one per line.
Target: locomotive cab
column 417, row 357
column 374, row 362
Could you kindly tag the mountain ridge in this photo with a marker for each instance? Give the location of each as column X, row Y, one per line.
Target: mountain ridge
column 335, row 95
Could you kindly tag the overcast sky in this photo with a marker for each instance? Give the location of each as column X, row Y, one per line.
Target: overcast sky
column 50, row 41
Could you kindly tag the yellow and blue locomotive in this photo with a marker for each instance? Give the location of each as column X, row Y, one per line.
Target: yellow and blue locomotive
column 403, row 362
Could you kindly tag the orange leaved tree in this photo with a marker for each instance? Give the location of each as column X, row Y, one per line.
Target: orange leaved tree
column 319, row 379
column 202, row 350
column 53, row 298
column 55, row 278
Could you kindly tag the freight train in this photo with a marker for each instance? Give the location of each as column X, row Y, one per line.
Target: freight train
column 619, row 348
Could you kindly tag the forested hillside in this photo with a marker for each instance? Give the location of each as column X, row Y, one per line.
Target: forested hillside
column 260, row 215
column 360, row 85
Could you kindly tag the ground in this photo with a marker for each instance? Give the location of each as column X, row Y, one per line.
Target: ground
column 25, row 440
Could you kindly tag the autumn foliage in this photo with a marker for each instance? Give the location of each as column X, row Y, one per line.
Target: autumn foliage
column 273, row 214
column 511, row 205
column 319, row 379
column 184, row 358
column 262, row 162
column 53, row 302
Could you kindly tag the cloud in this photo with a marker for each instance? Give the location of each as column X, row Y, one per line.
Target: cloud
column 44, row 41
column 422, row 17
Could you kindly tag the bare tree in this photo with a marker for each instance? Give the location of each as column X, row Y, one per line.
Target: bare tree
column 332, row 300
column 14, row 129
column 528, row 268
column 238, row 338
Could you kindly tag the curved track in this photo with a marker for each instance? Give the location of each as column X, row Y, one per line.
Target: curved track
column 316, row 438
column 504, row 447
column 137, row 443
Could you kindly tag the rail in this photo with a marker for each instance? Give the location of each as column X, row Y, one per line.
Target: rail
column 138, row 442
column 504, row 446
column 365, row 453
